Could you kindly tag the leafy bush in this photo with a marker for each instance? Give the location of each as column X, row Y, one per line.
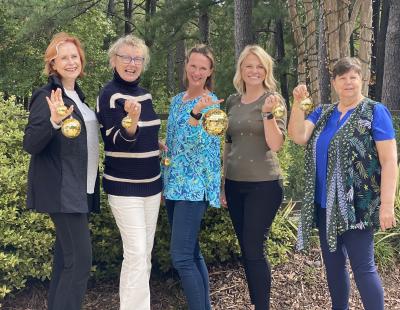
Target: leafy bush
column 26, row 237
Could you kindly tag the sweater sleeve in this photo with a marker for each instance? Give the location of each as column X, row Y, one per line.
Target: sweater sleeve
column 110, row 115
column 39, row 130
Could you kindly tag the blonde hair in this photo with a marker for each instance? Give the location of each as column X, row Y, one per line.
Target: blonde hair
column 207, row 52
column 266, row 61
column 133, row 41
column 52, row 51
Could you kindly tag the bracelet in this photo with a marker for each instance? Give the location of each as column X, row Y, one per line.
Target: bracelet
column 196, row 116
column 267, row 115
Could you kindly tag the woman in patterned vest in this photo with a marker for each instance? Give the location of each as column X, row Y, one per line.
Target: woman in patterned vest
column 351, row 173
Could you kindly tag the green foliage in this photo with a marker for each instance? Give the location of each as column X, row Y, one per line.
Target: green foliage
column 291, row 160
column 387, row 243
column 26, row 237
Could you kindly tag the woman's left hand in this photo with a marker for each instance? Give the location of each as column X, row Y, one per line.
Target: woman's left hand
column 270, row 102
column 162, row 146
column 204, row 102
column 387, row 217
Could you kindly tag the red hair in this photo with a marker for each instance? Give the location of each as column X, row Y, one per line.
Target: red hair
column 52, row 51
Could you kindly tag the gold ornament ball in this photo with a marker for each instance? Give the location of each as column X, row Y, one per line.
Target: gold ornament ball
column 61, row 110
column 278, row 111
column 215, row 122
column 166, row 161
column 126, row 122
column 71, row 128
column 306, row 105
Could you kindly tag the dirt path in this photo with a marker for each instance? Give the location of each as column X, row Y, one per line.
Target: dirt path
column 299, row 284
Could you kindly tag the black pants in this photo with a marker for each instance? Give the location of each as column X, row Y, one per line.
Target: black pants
column 72, row 261
column 252, row 207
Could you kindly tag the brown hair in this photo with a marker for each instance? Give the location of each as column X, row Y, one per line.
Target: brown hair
column 207, row 52
column 52, row 51
column 345, row 65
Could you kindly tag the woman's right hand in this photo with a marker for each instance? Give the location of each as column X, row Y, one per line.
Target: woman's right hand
column 133, row 108
column 54, row 102
column 300, row 92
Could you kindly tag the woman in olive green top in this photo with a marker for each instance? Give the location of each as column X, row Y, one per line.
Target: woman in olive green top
column 253, row 190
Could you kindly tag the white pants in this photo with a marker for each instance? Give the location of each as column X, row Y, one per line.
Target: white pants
column 136, row 218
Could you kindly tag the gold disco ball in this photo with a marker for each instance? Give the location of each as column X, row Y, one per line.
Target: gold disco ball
column 71, row 128
column 61, row 110
column 166, row 161
column 215, row 122
column 126, row 122
column 279, row 110
column 306, row 105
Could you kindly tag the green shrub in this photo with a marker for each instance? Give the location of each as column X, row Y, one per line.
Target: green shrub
column 26, row 237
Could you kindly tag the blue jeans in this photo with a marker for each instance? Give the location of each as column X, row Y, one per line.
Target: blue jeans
column 358, row 246
column 185, row 219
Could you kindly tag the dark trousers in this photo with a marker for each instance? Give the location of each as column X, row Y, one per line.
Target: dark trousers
column 358, row 246
column 72, row 261
column 185, row 219
column 252, row 207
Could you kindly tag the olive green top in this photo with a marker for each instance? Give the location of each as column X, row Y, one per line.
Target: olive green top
column 249, row 158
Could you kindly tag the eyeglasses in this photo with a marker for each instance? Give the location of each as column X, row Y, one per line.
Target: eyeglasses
column 128, row 59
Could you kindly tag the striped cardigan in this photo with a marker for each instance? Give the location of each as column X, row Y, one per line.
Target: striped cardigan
column 132, row 166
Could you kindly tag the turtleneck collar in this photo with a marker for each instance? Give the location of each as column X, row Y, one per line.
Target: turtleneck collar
column 120, row 80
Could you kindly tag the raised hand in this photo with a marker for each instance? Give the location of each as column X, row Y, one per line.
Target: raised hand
column 204, row 102
column 133, row 108
column 270, row 102
column 300, row 92
column 55, row 101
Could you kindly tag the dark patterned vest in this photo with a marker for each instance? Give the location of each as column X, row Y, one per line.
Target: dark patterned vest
column 353, row 176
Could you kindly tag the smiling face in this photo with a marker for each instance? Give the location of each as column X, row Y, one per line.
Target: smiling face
column 198, row 69
column 68, row 63
column 348, row 85
column 252, row 71
column 128, row 71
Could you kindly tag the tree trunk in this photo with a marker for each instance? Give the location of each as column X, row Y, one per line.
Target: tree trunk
column 128, row 10
column 170, row 58
column 323, row 64
column 299, row 41
column 180, row 62
column 376, row 9
column 332, row 33
column 280, row 55
column 391, row 77
column 312, row 51
column 243, row 26
column 364, row 53
column 380, row 54
column 150, row 10
column 204, row 24
column 110, row 8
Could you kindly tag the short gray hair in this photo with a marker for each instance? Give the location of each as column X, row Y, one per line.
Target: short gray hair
column 130, row 40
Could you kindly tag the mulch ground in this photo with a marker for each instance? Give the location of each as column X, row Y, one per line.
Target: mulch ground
column 298, row 284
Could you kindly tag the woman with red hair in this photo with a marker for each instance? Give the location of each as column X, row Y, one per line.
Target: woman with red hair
column 63, row 177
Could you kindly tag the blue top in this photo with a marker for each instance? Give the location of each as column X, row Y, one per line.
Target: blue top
column 131, row 165
column 195, row 170
column 382, row 129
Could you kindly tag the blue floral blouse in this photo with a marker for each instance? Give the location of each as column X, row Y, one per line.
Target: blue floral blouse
column 195, row 170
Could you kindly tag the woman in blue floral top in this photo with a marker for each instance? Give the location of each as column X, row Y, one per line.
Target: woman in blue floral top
column 192, row 180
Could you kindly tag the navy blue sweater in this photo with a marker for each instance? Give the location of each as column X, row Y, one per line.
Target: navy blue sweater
column 132, row 166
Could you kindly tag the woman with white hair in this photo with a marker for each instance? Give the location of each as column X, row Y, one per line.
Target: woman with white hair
column 132, row 176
